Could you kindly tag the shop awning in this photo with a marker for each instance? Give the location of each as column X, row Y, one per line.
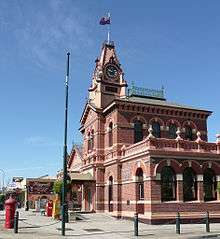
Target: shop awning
column 81, row 177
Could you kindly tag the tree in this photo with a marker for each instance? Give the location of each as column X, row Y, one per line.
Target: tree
column 57, row 187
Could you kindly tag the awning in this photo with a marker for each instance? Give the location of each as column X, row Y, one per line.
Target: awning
column 81, row 177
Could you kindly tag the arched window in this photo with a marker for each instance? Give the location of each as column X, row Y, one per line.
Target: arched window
column 138, row 131
column 156, row 129
column 172, row 131
column 209, row 185
column 92, row 139
column 89, row 141
column 168, row 184
column 110, row 194
column 110, row 188
column 140, row 184
column 189, row 185
column 110, row 135
column 189, row 134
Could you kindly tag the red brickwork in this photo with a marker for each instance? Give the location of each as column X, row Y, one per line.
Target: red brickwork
column 114, row 156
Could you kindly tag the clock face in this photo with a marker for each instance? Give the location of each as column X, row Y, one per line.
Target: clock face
column 111, row 71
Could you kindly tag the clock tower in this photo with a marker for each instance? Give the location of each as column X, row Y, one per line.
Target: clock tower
column 108, row 78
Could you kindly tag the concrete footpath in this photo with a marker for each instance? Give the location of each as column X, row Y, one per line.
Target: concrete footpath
column 34, row 225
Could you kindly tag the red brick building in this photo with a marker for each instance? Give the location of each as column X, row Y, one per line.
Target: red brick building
column 145, row 154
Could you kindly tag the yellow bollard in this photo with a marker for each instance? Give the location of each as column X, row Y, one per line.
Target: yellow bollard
column 56, row 208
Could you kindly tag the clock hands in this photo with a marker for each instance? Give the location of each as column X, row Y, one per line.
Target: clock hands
column 111, row 71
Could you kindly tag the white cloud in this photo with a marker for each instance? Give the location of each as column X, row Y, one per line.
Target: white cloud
column 40, row 141
column 45, row 30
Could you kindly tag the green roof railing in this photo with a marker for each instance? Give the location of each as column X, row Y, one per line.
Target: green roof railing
column 145, row 92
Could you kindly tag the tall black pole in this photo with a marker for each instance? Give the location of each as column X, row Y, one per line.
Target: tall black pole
column 64, row 192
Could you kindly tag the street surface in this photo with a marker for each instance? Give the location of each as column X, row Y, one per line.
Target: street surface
column 34, row 225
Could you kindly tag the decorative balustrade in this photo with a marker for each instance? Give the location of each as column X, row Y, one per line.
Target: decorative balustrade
column 151, row 143
column 188, row 145
column 135, row 148
column 210, row 147
column 167, row 144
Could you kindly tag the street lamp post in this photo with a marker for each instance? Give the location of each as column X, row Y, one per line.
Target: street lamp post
column 64, row 191
column 3, row 179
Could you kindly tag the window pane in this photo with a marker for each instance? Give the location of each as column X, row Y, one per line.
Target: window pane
column 141, row 190
column 168, row 184
column 89, row 142
column 189, row 134
column 138, row 131
column 92, row 140
column 140, row 184
column 209, row 185
column 172, row 131
column 110, row 135
column 156, row 129
column 110, row 189
column 189, row 185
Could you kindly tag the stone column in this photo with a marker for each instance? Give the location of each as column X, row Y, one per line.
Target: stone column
column 200, row 195
column 83, row 198
column 179, row 187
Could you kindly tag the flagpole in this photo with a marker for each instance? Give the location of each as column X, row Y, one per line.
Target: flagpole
column 64, row 190
column 108, row 39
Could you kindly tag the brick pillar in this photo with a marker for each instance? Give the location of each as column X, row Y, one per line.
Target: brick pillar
column 99, row 192
column 200, row 195
column 118, row 191
column 155, row 188
column 147, row 198
column 179, row 187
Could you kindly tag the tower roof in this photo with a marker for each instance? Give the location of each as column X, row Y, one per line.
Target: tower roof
column 108, row 54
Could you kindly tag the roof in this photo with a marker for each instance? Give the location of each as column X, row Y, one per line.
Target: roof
column 149, row 101
column 79, row 149
column 49, row 179
column 76, row 149
column 86, row 109
column 81, row 177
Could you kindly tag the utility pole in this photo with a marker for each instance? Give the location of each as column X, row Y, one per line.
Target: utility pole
column 64, row 191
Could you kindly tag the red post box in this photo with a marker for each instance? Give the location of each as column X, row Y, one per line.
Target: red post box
column 10, row 206
column 49, row 208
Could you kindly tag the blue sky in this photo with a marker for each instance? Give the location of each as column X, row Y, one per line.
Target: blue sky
column 171, row 43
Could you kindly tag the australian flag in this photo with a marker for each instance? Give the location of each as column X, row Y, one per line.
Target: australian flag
column 104, row 21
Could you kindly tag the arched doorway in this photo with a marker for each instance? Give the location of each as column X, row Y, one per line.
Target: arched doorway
column 110, row 194
column 139, row 191
column 189, row 185
column 209, row 185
